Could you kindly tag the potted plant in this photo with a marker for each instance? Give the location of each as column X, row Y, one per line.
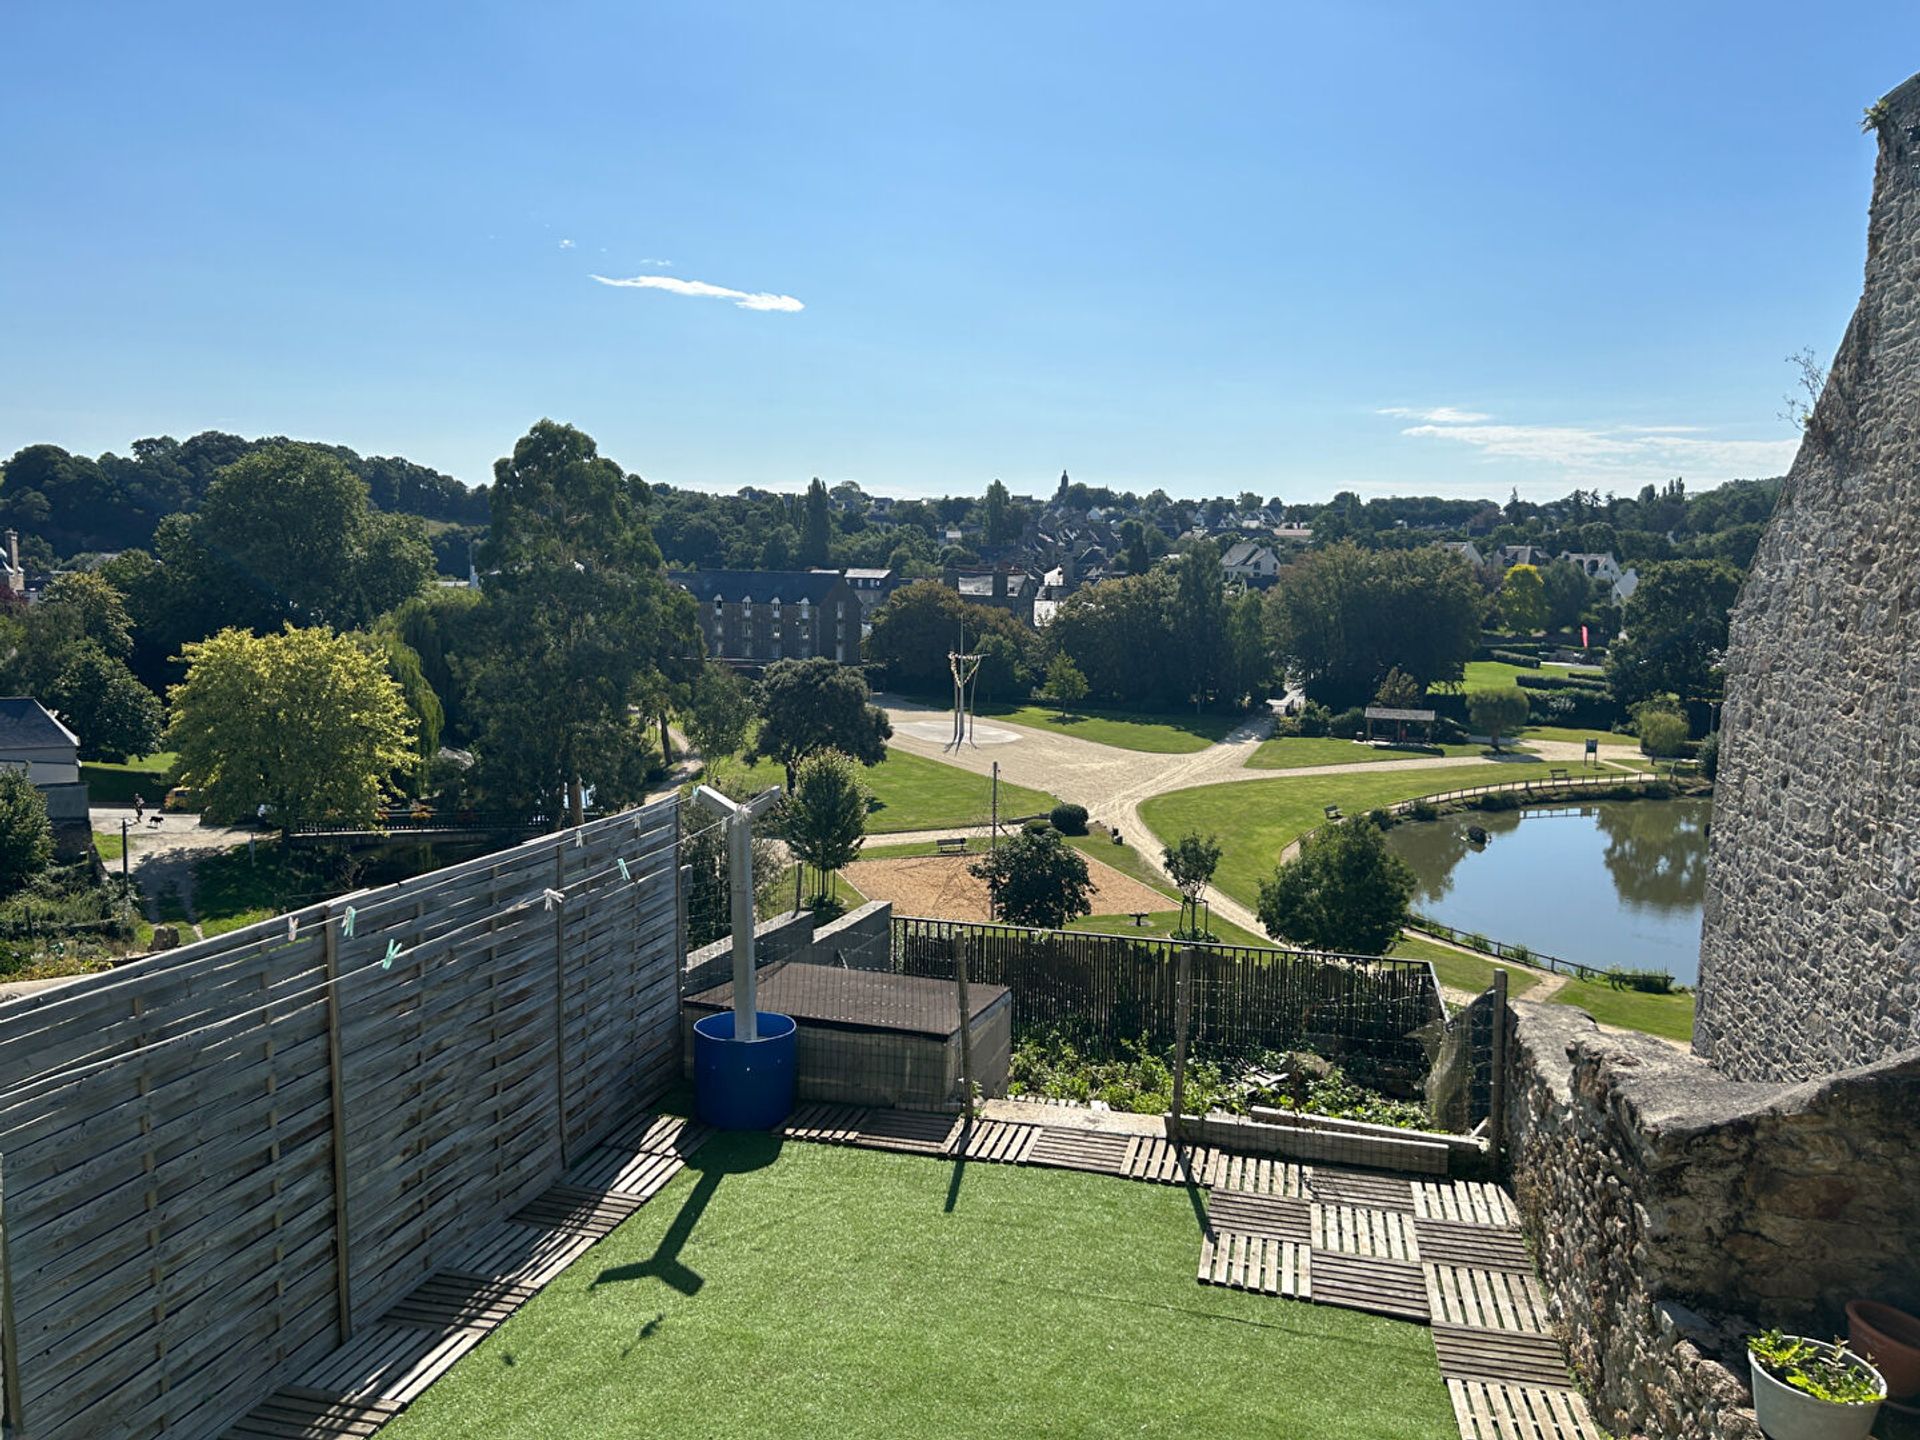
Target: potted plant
column 1812, row 1389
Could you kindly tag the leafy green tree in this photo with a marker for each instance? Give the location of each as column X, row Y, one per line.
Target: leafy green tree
column 26, row 836
column 1523, row 599
column 99, row 699
column 570, row 628
column 703, row 851
column 423, row 702
column 1676, row 631
column 1569, row 593
column 1199, row 622
column 997, row 515
column 1190, row 864
column 1119, row 634
column 1662, row 729
column 1065, row 686
column 1249, row 674
column 1399, row 691
column 816, row 525
column 86, row 607
column 1345, row 891
column 306, row 722
column 436, row 625
column 824, row 819
column 1342, row 617
column 805, row 706
column 288, row 536
column 917, row 627
column 719, row 713
column 1498, row 712
column 1037, row 879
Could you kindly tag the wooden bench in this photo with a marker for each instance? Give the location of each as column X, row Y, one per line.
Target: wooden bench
column 951, row 845
column 1557, row 773
column 1332, row 812
column 1139, row 916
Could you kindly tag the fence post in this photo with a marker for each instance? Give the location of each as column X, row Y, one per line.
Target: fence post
column 10, row 1403
column 966, row 1020
column 560, row 995
column 1182, row 1018
column 337, row 1103
column 1497, row 1089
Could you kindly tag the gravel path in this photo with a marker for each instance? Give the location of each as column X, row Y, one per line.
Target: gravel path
column 162, row 856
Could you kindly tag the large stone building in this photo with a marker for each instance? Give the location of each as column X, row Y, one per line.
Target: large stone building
column 1810, row 955
column 759, row 616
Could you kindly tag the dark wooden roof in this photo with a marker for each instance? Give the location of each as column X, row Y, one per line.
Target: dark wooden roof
column 859, row 999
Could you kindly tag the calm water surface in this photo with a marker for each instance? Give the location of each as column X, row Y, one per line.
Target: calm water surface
column 1618, row 882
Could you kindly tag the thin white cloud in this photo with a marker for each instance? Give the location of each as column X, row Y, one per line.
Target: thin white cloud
column 566, row 245
column 1439, row 415
column 742, row 299
column 1615, row 454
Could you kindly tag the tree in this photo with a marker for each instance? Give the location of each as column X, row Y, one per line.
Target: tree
column 718, row 713
column 86, row 607
column 1662, row 729
column 809, row 705
column 1199, row 622
column 816, row 525
column 98, row 698
column 1498, row 712
column 917, row 627
column 306, row 722
column 1118, row 633
column 997, row 515
column 423, row 703
column 1676, row 631
column 1065, row 686
column 1345, row 891
column 1342, row 617
column 568, row 637
column 703, row 851
column 436, row 625
column 1569, row 593
column 1523, row 599
column 26, row 836
column 1036, row 879
column 1190, row 865
column 1399, row 691
column 824, row 819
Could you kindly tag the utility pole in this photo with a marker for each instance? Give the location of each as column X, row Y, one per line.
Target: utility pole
column 739, row 820
column 125, row 876
column 993, row 839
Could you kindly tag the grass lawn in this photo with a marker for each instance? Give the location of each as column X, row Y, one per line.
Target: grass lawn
column 1578, row 737
column 1162, row 923
column 107, row 842
column 1292, row 752
column 823, row 1291
column 1670, row 1016
column 1493, row 675
column 1463, row 972
column 780, row 898
column 1257, row 819
column 913, row 793
column 118, row 784
column 1159, row 734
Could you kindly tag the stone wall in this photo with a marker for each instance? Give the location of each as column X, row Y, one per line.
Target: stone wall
column 1810, row 954
column 1673, row 1211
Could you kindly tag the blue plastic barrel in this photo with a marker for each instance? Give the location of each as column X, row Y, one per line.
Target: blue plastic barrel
column 744, row 1084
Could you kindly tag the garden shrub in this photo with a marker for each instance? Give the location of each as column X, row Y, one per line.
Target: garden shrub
column 1516, row 657
column 1648, row 982
column 1069, row 819
column 1348, row 723
column 1313, row 719
column 1422, row 810
column 1038, row 825
column 1497, row 800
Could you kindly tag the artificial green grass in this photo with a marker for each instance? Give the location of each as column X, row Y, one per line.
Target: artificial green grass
column 118, row 784
column 1294, row 752
column 1669, row 1016
column 1257, row 819
column 1463, row 972
column 818, row 1291
column 1155, row 733
column 911, row 792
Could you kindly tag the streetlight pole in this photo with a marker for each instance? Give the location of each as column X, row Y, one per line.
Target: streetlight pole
column 125, row 877
column 739, row 819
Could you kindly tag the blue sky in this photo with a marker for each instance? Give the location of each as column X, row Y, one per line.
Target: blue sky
column 1399, row 248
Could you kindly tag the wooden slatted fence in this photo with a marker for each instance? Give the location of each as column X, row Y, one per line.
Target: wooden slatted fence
column 220, row 1162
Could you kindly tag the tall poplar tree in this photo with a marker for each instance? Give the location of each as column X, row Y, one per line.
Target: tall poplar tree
column 816, row 525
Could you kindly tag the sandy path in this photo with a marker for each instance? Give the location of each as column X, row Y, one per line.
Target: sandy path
column 940, row 887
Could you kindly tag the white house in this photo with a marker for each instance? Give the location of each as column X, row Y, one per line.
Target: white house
column 33, row 740
column 1250, row 561
column 1466, row 550
column 1621, row 581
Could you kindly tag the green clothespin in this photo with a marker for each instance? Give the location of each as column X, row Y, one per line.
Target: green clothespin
column 346, row 922
column 625, row 874
column 393, row 954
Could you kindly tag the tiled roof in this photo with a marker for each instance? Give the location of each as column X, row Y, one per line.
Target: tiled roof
column 759, row 586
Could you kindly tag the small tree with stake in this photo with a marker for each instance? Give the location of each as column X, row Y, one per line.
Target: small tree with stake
column 1065, row 686
column 1190, row 864
column 1036, row 879
column 824, row 821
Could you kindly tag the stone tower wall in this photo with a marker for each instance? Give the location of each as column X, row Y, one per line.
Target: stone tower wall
column 1810, row 954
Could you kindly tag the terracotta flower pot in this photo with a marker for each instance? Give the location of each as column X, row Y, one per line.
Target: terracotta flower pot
column 1890, row 1338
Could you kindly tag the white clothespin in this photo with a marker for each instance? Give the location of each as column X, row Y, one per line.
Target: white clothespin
column 555, row 899
column 625, row 874
column 293, row 926
column 579, row 837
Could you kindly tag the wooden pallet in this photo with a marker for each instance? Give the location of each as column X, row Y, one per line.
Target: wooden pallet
column 1484, row 1299
column 1281, row 1216
column 1480, row 1246
column 1509, row 1356
column 393, row 1363
column 656, row 1134
column 1260, row 1263
column 296, row 1413
column 1379, row 1287
column 522, row 1254
column 918, row 1132
column 445, row 1302
column 1257, row 1174
column 1465, row 1202
column 1166, row 1162
column 582, row 1212
column 642, row 1175
column 1491, row 1410
column 823, row 1124
column 998, row 1142
column 1361, row 1230
column 1091, row 1150
column 1358, row 1187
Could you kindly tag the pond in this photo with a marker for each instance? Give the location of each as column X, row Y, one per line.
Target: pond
column 1612, row 883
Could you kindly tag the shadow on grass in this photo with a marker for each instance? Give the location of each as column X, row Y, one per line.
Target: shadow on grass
column 733, row 1154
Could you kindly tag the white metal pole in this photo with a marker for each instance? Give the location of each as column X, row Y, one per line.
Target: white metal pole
column 739, row 821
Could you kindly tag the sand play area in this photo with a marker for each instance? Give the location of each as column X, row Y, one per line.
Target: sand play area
column 938, row 887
